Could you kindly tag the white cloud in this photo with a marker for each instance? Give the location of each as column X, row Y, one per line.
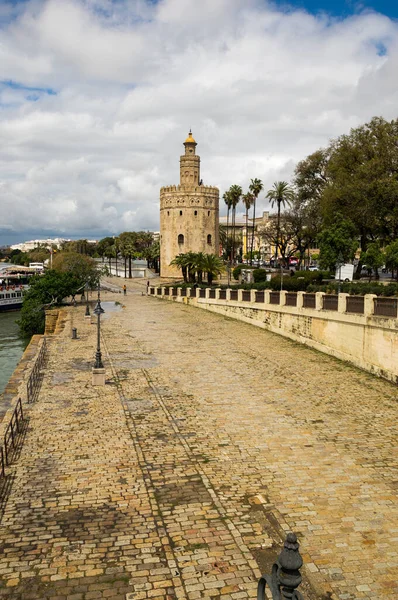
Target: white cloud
column 261, row 89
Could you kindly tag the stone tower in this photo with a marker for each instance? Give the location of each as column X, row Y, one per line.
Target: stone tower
column 188, row 214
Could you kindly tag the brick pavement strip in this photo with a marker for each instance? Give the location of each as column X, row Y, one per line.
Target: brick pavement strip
column 210, row 440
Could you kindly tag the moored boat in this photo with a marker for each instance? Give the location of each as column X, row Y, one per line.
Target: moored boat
column 14, row 281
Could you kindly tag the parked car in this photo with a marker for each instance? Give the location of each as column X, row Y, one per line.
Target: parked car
column 313, row 268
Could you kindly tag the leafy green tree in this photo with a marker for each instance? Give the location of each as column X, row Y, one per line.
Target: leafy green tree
column 374, row 257
column 82, row 267
column 45, row 290
column 280, row 194
column 391, row 252
column 103, row 246
column 337, row 240
column 363, row 180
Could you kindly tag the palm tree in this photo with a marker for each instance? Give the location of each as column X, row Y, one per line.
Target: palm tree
column 248, row 200
column 199, row 265
column 117, row 249
column 281, row 193
column 228, row 201
column 180, row 261
column 255, row 187
column 235, row 193
column 213, row 266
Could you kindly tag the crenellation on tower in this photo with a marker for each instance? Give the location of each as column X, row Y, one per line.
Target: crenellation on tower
column 188, row 213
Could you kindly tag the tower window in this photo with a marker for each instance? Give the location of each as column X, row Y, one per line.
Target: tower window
column 208, row 213
column 168, row 213
column 195, row 212
column 209, row 239
column 180, row 213
column 180, row 239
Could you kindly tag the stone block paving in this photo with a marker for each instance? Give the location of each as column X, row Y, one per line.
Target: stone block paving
column 180, row 477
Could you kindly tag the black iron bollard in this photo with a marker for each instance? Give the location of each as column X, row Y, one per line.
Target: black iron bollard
column 74, row 333
column 285, row 576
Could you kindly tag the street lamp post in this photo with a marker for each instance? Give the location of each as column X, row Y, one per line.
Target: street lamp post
column 98, row 310
column 87, row 313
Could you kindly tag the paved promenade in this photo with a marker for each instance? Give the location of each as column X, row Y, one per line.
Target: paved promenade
column 180, row 477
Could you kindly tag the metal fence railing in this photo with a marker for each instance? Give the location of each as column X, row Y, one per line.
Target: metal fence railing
column 11, row 438
column 259, row 297
column 246, row 296
column 309, row 301
column 212, row 294
column 330, row 302
column 385, row 307
column 355, row 304
column 223, row 295
column 202, row 293
column 35, row 378
column 291, row 299
column 274, row 297
column 233, row 295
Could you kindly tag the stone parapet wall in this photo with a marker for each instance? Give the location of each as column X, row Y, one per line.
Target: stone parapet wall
column 16, row 386
column 365, row 340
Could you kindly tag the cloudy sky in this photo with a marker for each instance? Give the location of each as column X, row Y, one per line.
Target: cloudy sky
column 97, row 96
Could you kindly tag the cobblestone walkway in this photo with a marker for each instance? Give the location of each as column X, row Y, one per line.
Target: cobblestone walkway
column 180, row 478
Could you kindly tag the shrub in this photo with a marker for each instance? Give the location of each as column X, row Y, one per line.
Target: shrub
column 237, row 270
column 259, row 275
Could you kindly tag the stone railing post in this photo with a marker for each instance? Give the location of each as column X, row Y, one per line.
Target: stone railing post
column 228, row 294
column 369, row 304
column 252, row 296
column 240, row 298
column 285, row 577
column 266, row 296
column 282, row 298
column 300, row 299
column 207, row 293
column 342, row 303
column 319, row 300
column 178, row 292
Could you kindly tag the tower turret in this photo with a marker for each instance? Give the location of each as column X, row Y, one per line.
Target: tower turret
column 190, row 163
column 188, row 214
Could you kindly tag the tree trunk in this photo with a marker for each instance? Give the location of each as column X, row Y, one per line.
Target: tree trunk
column 247, row 231
column 227, row 244
column 233, row 233
column 130, row 274
column 252, row 242
column 277, row 233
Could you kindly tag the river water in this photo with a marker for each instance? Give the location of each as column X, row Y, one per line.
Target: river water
column 11, row 345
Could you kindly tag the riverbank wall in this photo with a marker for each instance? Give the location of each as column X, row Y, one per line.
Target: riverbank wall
column 16, row 386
